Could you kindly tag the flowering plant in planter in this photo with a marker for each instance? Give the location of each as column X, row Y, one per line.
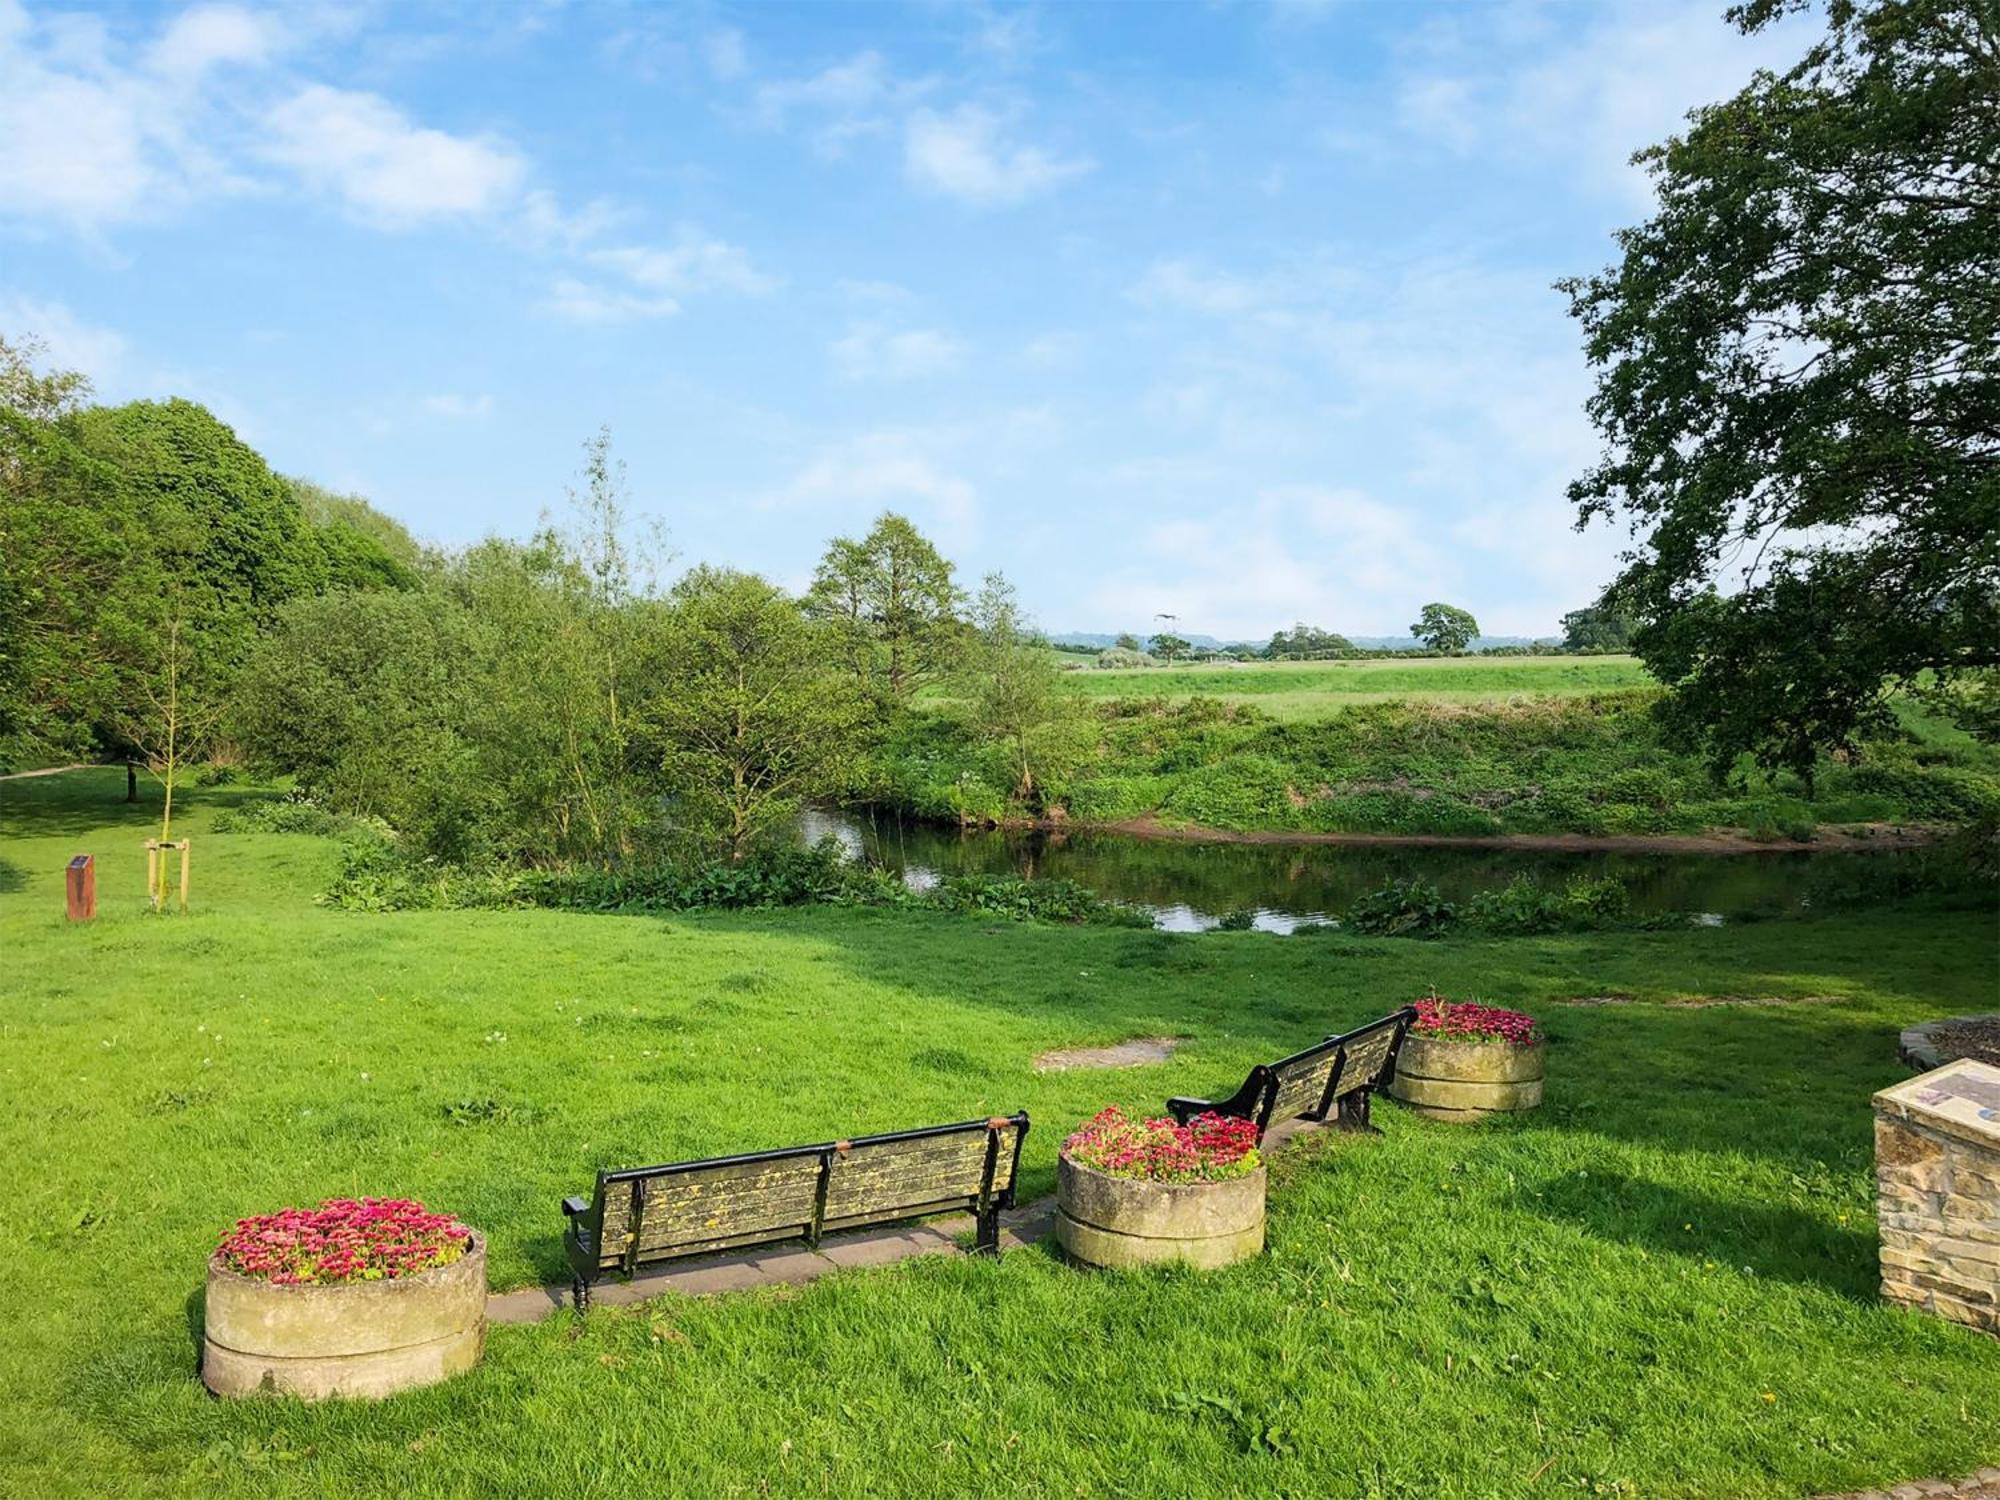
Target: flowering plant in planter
column 1209, row 1148
column 344, row 1239
column 1469, row 1021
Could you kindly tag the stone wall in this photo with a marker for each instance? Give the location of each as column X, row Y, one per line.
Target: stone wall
column 1937, row 1172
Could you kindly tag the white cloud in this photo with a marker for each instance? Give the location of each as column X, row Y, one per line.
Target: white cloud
column 870, row 351
column 363, row 150
column 844, row 88
column 727, row 58
column 1180, row 283
column 694, row 262
column 72, row 343
column 458, row 407
column 965, row 155
column 581, row 302
column 1523, row 81
column 206, row 36
column 850, row 482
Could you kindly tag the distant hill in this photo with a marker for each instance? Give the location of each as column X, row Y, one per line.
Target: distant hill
column 1089, row 640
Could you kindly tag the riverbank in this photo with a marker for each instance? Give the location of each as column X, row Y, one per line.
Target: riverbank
column 1845, row 838
column 1594, row 767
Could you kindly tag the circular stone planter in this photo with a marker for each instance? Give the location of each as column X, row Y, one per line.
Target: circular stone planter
column 1465, row 1081
column 354, row 1338
column 1109, row 1221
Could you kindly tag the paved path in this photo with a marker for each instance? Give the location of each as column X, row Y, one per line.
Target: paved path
column 795, row 1265
column 1984, row 1485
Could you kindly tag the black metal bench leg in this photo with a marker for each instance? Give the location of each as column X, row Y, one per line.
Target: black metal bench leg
column 987, row 1241
column 580, row 1290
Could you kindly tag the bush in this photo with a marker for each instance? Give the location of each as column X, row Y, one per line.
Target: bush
column 292, row 813
column 378, row 875
column 1403, row 908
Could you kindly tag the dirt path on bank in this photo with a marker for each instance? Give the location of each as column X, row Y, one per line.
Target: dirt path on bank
column 1832, row 839
column 82, row 765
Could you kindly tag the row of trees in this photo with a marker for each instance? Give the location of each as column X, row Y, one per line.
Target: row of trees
column 164, row 595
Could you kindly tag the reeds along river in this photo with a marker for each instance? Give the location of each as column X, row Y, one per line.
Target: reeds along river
column 1192, row 886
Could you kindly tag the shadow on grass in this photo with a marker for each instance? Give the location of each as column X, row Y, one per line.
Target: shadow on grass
column 12, row 876
column 1775, row 1240
column 91, row 801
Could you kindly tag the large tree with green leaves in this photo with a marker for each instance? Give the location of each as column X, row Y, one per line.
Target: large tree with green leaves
column 750, row 717
column 1445, row 627
column 1798, row 384
column 893, row 609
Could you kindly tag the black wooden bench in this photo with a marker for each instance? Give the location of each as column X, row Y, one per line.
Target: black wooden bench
column 642, row 1215
column 1329, row 1081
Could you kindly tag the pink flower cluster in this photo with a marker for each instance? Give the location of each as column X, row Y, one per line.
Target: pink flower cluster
column 1469, row 1021
column 344, row 1239
column 1209, row 1148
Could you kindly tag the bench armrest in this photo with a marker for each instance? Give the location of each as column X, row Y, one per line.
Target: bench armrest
column 1184, row 1110
column 576, row 1208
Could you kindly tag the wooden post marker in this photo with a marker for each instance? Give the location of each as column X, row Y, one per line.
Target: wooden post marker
column 81, row 886
column 157, row 868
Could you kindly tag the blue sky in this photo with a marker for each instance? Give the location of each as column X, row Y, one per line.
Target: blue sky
column 1236, row 311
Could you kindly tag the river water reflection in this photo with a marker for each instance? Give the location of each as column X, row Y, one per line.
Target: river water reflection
column 1189, row 887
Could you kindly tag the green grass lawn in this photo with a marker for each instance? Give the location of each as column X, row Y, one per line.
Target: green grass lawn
column 1314, row 689
column 1661, row 1284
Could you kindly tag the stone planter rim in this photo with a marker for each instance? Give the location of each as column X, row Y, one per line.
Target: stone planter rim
column 475, row 1243
column 1065, row 1159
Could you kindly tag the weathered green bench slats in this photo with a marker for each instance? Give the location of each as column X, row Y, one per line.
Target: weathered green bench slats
column 642, row 1215
column 1332, row 1080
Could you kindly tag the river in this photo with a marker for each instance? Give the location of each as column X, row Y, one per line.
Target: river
column 1189, row 887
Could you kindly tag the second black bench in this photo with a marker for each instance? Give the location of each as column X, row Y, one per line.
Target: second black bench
column 1328, row 1081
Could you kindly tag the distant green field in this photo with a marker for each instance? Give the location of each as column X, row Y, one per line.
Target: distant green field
column 1307, row 690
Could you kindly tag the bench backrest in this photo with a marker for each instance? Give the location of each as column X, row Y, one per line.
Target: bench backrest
column 1299, row 1083
column 1368, row 1053
column 1309, row 1083
column 644, row 1214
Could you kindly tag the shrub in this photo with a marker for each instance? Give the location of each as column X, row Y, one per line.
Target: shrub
column 1209, row 1148
column 292, row 813
column 1403, row 908
column 1030, row 900
column 344, row 1239
column 1469, row 1021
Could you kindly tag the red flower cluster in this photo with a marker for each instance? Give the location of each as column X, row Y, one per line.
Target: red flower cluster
column 1209, row 1148
column 344, row 1239
column 1469, row 1021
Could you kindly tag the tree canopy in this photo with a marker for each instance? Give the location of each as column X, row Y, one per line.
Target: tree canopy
column 1308, row 640
column 1797, row 360
column 893, row 608
column 1445, row 627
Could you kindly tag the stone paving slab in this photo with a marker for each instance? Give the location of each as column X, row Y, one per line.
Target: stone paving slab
column 1984, row 1485
column 744, row 1270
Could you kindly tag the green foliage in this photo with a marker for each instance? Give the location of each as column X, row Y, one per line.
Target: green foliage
column 376, row 874
column 1445, row 627
column 891, row 608
column 748, row 719
column 1305, row 640
column 1597, row 628
column 1169, row 646
column 1524, row 906
column 1596, row 764
column 1019, row 702
column 1799, row 382
column 1402, row 908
